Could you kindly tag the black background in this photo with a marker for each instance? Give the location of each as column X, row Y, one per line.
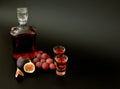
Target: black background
column 90, row 31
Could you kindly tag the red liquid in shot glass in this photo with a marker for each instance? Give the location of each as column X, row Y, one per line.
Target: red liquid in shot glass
column 61, row 61
column 59, row 50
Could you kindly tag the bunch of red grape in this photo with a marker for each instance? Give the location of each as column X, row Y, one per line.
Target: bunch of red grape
column 44, row 61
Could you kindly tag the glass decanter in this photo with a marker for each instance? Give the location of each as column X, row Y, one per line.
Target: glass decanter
column 23, row 36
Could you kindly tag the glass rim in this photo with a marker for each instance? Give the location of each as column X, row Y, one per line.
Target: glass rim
column 59, row 46
column 62, row 56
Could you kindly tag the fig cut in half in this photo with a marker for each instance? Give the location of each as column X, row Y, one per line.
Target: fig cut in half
column 18, row 73
column 29, row 67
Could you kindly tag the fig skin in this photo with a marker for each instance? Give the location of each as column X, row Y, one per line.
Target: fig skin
column 21, row 61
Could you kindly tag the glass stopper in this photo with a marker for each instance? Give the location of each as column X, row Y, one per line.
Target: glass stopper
column 22, row 15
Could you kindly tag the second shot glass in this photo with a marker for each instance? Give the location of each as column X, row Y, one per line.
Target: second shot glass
column 61, row 64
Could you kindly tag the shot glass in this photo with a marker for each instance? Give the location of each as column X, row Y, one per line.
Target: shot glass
column 59, row 49
column 61, row 64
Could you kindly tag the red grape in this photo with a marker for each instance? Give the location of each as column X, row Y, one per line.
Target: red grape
column 48, row 56
column 38, row 55
column 44, row 56
column 43, row 60
column 45, row 66
column 49, row 60
column 40, row 52
column 38, row 64
column 36, row 60
column 52, row 66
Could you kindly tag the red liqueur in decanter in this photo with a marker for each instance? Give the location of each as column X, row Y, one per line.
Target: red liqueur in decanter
column 23, row 36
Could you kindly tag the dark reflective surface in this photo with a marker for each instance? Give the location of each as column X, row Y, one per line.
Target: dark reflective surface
column 88, row 29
